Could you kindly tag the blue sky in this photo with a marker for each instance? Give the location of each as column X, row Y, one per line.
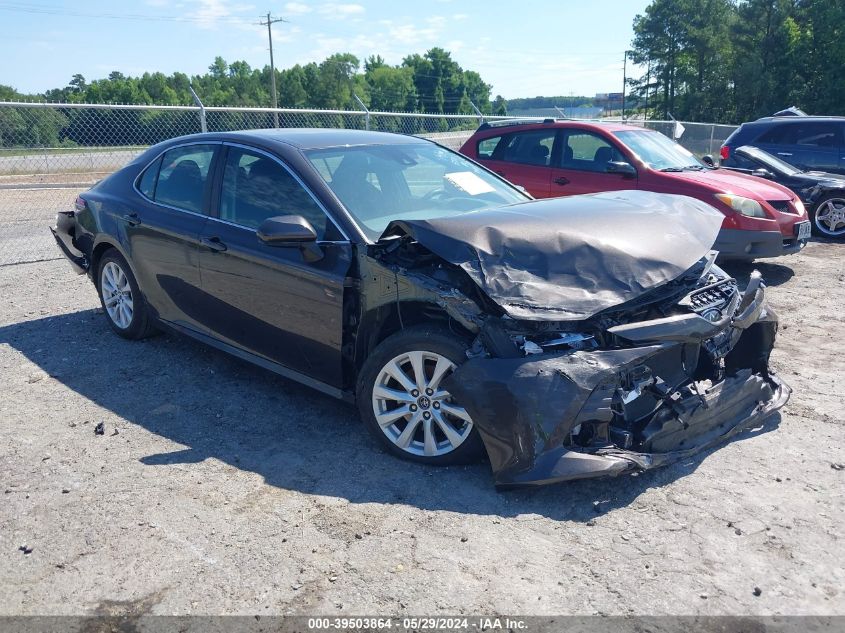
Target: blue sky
column 543, row 47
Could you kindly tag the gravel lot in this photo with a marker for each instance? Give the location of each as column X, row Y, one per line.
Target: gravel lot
column 220, row 488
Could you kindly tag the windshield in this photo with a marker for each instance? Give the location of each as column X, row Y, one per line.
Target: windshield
column 381, row 183
column 658, row 151
column 771, row 162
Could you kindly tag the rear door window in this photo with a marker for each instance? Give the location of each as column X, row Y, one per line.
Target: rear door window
column 183, row 177
column 532, row 147
column 807, row 134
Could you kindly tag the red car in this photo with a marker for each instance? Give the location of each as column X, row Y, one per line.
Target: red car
column 562, row 158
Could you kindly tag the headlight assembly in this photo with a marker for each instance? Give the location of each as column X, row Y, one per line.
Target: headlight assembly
column 745, row 206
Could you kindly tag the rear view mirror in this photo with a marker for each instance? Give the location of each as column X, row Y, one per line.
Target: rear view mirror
column 621, row 167
column 762, row 173
column 707, row 159
column 284, row 230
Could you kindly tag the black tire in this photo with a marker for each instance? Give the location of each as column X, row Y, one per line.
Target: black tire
column 816, row 229
column 141, row 324
column 431, row 340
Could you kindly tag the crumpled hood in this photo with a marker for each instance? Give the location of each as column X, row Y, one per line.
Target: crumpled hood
column 570, row 258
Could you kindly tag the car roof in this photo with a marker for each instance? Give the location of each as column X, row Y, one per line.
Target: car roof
column 797, row 119
column 318, row 138
column 610, row 126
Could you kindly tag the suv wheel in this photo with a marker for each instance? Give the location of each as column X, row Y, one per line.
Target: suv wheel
column 403, row 404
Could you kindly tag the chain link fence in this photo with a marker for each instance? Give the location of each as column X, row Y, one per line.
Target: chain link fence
column 51, row 152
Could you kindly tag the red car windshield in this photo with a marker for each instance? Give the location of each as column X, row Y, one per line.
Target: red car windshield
column 658, row 151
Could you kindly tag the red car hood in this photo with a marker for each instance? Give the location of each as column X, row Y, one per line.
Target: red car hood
column 726, row 181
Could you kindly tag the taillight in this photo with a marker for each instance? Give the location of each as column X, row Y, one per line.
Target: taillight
column 725, row 152
column 80, row 203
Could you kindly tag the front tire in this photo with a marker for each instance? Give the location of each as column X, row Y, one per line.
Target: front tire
column 121, row 299
column 403, row 405
column 829, row 217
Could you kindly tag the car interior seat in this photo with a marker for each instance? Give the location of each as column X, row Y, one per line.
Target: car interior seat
column 539, row 155
column 350, row 182
column 184, row 186
column 602, row 157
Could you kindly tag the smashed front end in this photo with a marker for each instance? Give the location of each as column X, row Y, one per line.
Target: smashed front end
column 623, row 395
column 597, row 351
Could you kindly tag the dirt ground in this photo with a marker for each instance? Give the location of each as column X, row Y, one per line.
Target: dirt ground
column 221, row 488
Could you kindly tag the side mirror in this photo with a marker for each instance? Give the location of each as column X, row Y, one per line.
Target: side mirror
column 707, row 159
column 291, row 230
column 286, row 230
column 762, row 173
column 621, row 167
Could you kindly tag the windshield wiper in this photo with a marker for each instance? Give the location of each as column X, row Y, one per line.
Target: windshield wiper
column 694, row 167
column 672, row 169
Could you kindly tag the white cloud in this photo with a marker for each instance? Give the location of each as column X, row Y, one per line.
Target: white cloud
column 338, row 11
column 297, row 8
column 410, row 33
column 209, row 14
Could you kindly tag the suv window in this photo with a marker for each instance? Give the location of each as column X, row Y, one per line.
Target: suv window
column 487, row 146
column 256, row 187
column 182, row 177
column 810, row 133
column 586, row 151
column 533, row 147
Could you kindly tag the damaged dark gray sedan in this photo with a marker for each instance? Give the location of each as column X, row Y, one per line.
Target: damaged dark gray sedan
column 567, row 338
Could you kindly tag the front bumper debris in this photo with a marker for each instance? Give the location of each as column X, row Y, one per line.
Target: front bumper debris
column 684, row 386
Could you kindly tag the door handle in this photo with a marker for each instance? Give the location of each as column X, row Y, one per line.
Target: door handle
column 784, row 154
column 562, row 181
column 132, row 219
column 501, row 173
column 213, row 243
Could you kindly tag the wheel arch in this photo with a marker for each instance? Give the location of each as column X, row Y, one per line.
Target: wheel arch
column 100, row 248
column 379, row 323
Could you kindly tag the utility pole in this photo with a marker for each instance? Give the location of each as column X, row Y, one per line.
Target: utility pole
column 624, row 80
column 270, row 21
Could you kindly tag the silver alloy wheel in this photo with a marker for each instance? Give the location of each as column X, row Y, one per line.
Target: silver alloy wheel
column 413, row 411
column 117, row 295
column 830, row 217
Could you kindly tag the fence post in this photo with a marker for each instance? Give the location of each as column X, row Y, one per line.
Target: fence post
column 367, row 112
column 203, row 125
column 712, row 132
column 477, row 112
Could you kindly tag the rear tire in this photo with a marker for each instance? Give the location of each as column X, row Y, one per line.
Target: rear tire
column 123, row 303
column 403, row 406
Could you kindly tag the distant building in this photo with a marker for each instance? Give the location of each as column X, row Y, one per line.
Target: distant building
column 609, row 100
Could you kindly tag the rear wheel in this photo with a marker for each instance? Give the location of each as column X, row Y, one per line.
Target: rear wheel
column 121, row 299
column 829, row 216
column 404, row 405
